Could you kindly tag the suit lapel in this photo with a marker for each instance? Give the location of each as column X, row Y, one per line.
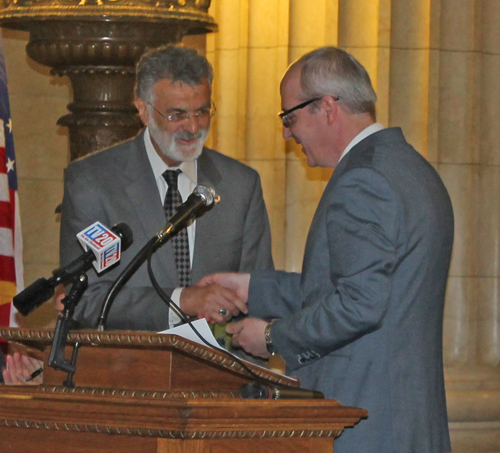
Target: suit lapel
column 207, row 171
column 142, row 193
column 207, row 175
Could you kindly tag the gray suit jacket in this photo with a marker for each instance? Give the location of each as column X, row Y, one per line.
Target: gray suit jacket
column 363, row 322
column 117, row 185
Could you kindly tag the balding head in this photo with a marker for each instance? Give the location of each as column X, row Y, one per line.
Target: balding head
column 332, row 71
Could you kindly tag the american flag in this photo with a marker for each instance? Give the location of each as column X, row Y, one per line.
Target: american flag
column 11, row 244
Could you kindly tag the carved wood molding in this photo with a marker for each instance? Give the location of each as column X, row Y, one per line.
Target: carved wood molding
column 147, row 386
column 173, row 418
column 148, row 340
column 169, row 434
column 131, row 393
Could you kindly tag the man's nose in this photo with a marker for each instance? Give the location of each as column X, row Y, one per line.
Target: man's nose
column 191, row 124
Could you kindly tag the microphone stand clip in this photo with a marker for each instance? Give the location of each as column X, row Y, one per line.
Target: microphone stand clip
column 64, row 322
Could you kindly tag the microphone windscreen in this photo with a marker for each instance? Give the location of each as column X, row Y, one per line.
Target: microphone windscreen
column 33, row 296
column 207, row 193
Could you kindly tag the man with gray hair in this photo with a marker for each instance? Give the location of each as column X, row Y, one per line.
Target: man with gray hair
column 363, row 322
column 140, row 181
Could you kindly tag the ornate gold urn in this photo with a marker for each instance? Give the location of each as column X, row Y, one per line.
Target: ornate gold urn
column 96, row 44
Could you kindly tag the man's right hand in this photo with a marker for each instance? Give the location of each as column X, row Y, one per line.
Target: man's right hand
column 207, row 301
column 237, row 282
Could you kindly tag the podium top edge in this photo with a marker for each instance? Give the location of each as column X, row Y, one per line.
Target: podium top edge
column 43, row 337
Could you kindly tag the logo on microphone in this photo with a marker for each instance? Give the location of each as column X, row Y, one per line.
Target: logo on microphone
column 103, row 242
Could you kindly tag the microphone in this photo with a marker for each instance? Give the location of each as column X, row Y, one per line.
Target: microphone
column 261, row 391
column 201, row 197
column 103, row 249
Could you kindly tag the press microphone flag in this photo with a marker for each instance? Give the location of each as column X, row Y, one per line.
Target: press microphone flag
column 101, row 244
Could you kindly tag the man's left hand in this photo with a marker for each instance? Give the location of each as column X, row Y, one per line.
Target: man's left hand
column 249, row 334
column 19, row 367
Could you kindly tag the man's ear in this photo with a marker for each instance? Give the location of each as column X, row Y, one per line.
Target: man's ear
column 331, row 107
column 143, row 110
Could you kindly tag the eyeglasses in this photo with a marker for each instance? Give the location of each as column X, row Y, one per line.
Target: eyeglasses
column 283, row 115
column 177, row 117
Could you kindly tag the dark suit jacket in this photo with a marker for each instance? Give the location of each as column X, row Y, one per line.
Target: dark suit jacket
column 363, row 322
column 117, row 185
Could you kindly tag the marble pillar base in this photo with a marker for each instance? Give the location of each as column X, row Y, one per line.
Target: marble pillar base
column 473, row 396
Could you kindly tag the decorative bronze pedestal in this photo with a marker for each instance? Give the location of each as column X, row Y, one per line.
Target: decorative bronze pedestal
column 97, row 44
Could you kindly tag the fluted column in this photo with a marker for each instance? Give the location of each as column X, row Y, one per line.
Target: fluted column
column 489, row 188
column 468, row 137
column 365, row 32
column 409, row 77
column 309, row 27
column 458, row 160
column 248, row 58
column 435, row 66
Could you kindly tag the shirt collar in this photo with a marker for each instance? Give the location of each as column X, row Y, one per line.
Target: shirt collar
column 159, row 167
column 371, row 129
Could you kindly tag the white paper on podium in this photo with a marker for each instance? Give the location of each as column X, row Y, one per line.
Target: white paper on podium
column 201, row 325
column 185, row 331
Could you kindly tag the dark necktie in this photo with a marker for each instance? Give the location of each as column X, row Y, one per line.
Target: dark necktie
column 180, row 240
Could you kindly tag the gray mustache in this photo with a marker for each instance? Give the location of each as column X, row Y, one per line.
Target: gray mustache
column 186, row 135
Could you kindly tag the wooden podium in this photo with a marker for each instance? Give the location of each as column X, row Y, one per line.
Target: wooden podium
column 144, row 392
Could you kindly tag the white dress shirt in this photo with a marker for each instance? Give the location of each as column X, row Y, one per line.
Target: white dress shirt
column 371, row 129
column 187, row 181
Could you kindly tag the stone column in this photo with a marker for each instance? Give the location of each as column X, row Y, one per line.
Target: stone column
column 249, row 57
column 469, row 157
column 435, row 65
column 309, row 27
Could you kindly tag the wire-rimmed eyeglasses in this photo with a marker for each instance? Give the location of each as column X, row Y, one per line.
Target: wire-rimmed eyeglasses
column 182, row 115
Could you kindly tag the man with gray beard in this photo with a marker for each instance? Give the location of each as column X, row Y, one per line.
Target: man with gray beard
column 130, row 183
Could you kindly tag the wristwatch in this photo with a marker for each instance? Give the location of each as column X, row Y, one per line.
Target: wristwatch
column 269, row 340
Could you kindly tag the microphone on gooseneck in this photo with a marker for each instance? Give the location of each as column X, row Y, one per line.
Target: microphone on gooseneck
column 202, row 197
column 103, row 249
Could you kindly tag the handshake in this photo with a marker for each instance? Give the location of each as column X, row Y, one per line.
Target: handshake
column 218, row 298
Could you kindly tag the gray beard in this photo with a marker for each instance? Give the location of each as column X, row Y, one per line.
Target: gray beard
column 170, row 148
